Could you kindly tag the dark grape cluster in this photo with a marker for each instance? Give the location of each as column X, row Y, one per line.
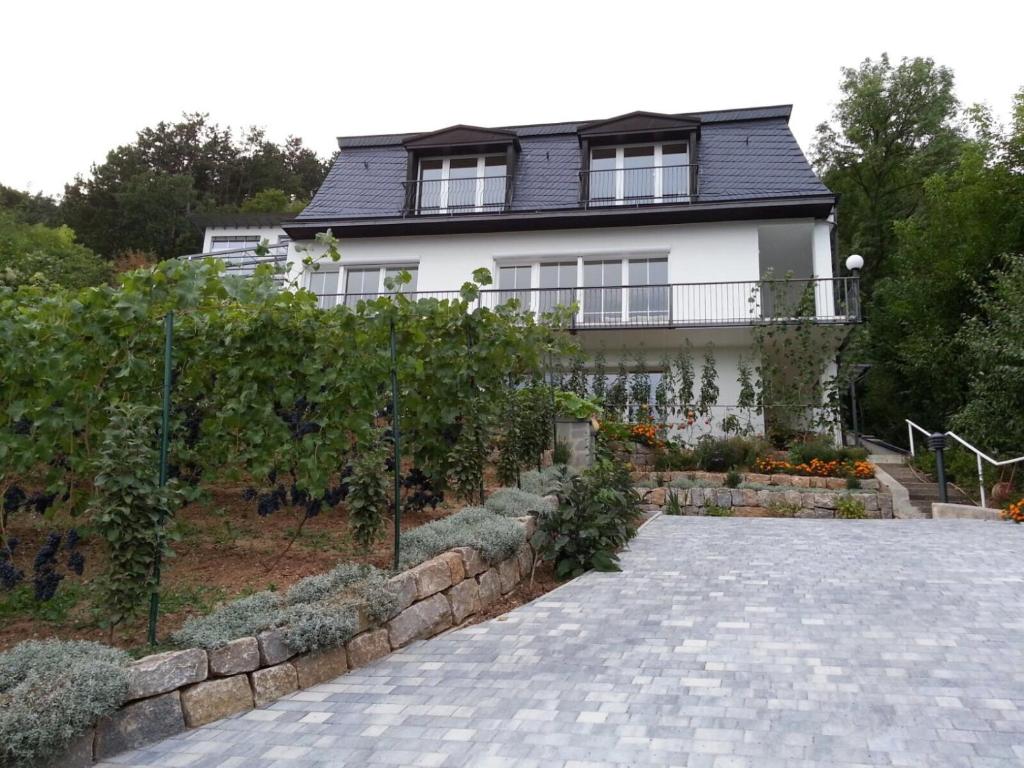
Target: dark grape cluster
column 419, row 491
column 298, row 419
column 10, row 576
column 22, row 426
column 15, row 498
column 270, row 502
column 46, row 578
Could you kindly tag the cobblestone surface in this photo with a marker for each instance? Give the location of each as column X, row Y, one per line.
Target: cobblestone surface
column 724, row 643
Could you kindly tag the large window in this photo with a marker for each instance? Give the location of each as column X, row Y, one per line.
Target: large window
column 648, row 292
column 360, row 283
column 324, row 284
column 514, row 283
column 453, row 184
column 602, row 294
column 643, row 173
column 363, row 283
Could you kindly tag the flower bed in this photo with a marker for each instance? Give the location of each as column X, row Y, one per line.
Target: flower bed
column 1014, row 512
column 816, row 468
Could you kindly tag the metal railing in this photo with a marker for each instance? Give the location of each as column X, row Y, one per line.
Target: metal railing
column 638, row 186
column 463, row 195
column 911, row 426
column 679, row 305
column 243, row 261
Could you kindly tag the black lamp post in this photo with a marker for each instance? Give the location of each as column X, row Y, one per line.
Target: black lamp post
column 937, row 442
column 854, row 264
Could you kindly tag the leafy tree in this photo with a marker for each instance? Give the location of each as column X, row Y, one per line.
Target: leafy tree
column 141, row 196
column 272, row 201
column 708, row 384
column 29, row 208
column 42, row 255
column 967, row 218
column 892, row 128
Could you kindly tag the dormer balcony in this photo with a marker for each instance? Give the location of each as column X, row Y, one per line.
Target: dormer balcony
column 644, row 185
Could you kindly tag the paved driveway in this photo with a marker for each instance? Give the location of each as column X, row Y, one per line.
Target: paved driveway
column 724, row 643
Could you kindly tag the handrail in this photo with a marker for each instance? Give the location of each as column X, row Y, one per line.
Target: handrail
column 911, row 426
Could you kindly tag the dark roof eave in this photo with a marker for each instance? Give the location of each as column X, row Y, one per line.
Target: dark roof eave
column 816, row 206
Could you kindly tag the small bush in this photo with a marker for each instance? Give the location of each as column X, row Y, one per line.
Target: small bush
column 562, row 452
column 548, row 480
column 733, row 479
column 852, row 483
column 52, row 691
column 713, row 510
column 512, row 502
column 675, row 458
column 682, row 483
column 596, row 515
column 720, row 454
column 494, row 537
column 823, row 448
column 783, row 509
column 317, row 612
column 672, row 504
column 849, row 508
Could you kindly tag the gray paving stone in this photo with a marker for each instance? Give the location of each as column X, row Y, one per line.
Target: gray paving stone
column 723, row 643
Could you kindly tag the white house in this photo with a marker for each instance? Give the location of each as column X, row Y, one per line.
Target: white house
column 660, row 227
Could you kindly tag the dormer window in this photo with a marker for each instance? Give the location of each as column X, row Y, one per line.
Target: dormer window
column 639, row 173
column 461, row 184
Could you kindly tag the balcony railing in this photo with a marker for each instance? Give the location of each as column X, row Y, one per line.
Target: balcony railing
column 469, row 195
column 680, row 305
column 243, row 261
column 638, row 186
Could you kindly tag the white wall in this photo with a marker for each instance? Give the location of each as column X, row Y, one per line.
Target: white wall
column 697, row 253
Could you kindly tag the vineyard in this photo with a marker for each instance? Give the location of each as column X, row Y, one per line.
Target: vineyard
column 287, row 404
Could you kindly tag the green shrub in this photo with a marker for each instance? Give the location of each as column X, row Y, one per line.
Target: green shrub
column 52, row 691
column 849, row 508
column 317, row 612
column 513, row 502
column 494, row 537
column 672, row 504
column 682, row 483
column 676, row 459
column 733, row 479
column 823, row 448
column 596, row 515
column 562, row 452
column 720, row 454
column 783, row 509
column 852, row 483
column 548, row 480
column 367, row 498
column 713, row 510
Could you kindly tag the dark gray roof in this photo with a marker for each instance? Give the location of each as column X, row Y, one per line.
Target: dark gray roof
column 743, row 154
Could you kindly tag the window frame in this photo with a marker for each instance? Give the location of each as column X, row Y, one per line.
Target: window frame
column 658, row 192
column 444, row 191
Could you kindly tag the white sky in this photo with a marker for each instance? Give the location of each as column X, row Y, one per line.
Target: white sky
column 82, row 77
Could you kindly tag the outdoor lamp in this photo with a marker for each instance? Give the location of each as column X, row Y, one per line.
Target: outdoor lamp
column 854, row 263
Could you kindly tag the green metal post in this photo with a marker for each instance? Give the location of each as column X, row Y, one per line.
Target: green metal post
column 165, row 426
column 395, row 433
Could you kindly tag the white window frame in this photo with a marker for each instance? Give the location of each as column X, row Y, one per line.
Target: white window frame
column 382, row 270
column 620, row 171
column 442, row 195
column 534, row 263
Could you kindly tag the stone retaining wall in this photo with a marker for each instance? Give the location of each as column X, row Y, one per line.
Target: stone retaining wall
column 717, row 479
column 169, row 692
column 774, row 502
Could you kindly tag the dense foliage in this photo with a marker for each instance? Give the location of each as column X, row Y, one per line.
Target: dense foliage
column 267, row 387
column 514, row 502
column 52, row 691
column 34, row 253
column 932, row 195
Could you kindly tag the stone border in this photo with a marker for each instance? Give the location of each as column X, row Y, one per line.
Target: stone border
column 750, row 502
column 173, row 691
column 717, row 479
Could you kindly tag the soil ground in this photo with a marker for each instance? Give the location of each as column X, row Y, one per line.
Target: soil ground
column 225, row 550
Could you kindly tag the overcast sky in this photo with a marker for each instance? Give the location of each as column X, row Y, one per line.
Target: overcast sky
column 82, row 77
